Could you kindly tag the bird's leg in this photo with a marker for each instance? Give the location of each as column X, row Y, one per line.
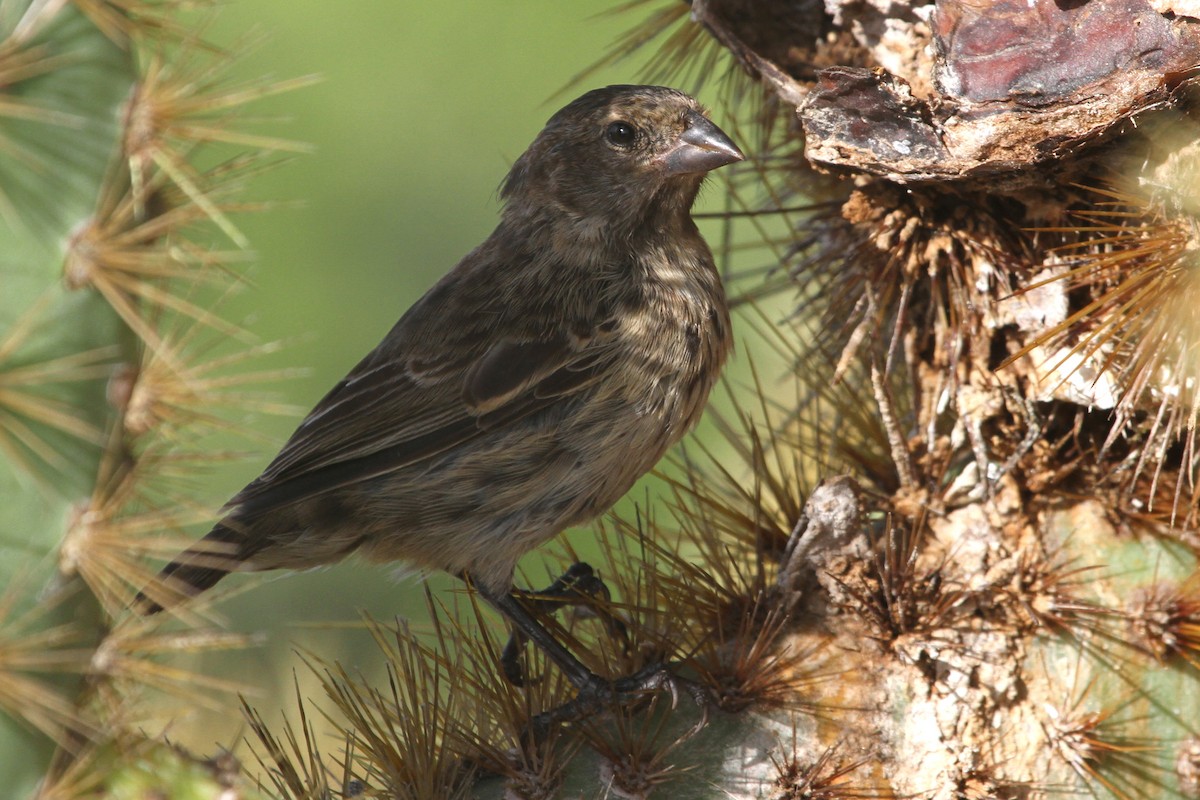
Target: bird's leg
column 575, row 587
column 595, row 692
column 527, row 625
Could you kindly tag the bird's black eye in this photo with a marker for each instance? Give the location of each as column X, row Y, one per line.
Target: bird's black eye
column 621, row 133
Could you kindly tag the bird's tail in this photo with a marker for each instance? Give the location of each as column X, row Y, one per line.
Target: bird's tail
column 194, row 570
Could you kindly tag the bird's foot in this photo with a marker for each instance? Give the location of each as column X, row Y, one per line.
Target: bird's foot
column 655, row 678
column 600, row 695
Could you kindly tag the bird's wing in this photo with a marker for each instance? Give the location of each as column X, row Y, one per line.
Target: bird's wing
column 403, row 404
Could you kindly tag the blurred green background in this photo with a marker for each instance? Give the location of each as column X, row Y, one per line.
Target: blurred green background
column 422, row 108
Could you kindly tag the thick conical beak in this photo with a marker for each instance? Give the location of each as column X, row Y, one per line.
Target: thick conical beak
column 702, row 147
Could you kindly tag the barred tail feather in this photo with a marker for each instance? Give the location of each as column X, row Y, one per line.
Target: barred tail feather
column 193, row 571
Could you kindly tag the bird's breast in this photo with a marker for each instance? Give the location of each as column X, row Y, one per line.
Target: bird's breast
column 674, row 345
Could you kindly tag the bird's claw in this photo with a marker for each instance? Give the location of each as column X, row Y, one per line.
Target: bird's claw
column 657, row 677
column 599, row 695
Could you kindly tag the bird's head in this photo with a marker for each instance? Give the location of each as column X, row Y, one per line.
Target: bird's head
column 621, row 155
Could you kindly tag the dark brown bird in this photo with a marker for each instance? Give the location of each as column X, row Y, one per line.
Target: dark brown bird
column 528, row 389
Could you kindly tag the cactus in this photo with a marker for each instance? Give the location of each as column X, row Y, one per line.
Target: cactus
column 64, row 83
column 111, row 285
column 953, row 555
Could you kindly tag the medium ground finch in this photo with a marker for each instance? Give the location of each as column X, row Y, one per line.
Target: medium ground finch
column 528, row 389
